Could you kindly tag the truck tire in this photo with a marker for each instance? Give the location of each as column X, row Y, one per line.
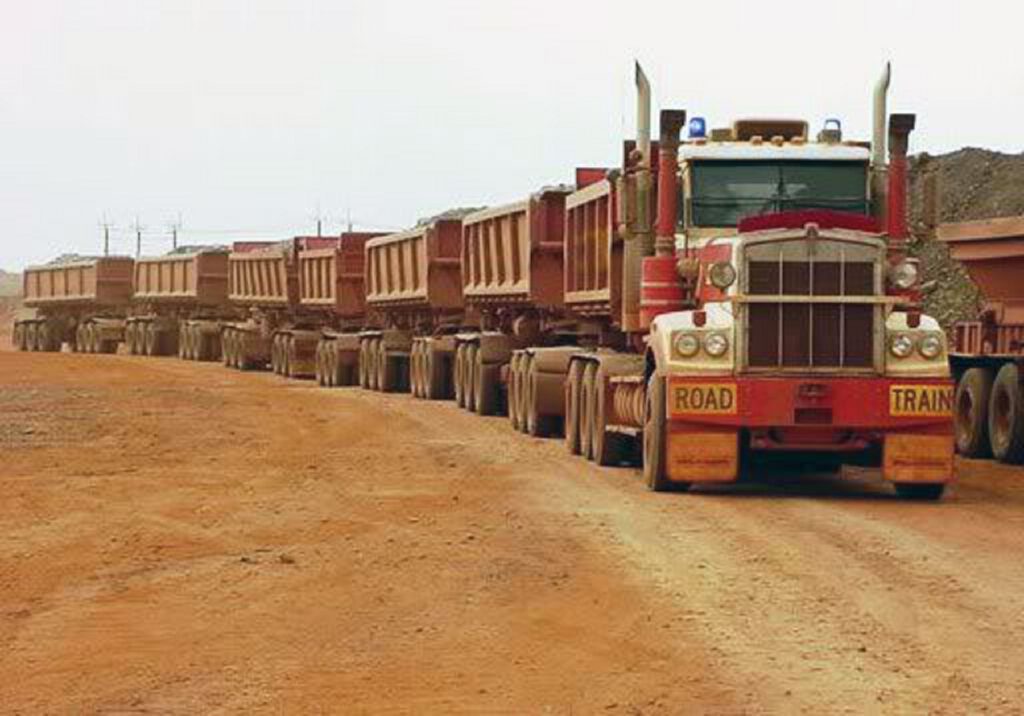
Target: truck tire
column 918, row 491
column 469, row 367
column 655, row 426
column 460, row 385
column 364, row 364
column 970, row 417
column 33, row 337
column 1006, row 416
column 129, row 338
column 416, row 381
column 587, row 395
column 437, row 386
column 319, row 365
column 149, row 337
column 514, row 412
column 73, row 342
column 225, row 341
column 485, row 387
column 573, row 388
column 43, row 337
column 609, row 448
column 387, row 378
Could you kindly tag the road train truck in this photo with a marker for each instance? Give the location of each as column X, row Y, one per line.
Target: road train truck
column 768, row 310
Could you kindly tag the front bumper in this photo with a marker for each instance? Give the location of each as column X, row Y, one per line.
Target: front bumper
column 909, row 420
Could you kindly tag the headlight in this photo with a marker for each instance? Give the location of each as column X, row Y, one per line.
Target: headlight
column 722, row 274
column 903, row 275
column 716, row 344
column 687, row 345
column 930, row 346
column 901, row 345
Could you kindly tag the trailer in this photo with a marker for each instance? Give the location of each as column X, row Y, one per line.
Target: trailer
column 415, row 303
column 512, row 278
column 83, row 303
column 178, row 305
column 332, row 286
column 987, row 359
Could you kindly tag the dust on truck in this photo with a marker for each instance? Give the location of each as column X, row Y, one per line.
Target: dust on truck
column 83, row 303
column 178, row 304
column 987, row 359
column 770, row 314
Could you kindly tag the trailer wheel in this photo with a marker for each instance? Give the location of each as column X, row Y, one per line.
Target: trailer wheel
column 460, row 388
column 970, row 418
column 364, row 364
column 917, row 491
column 149, row 340
column 437, row 385
column 43, row 338
column 609, row 448
column 485, row 386
column 587, row 395
column 655, row 427
column 416, row 387
column 1006, row 416
column 386, row 374
column 573, row 388
column 513, row 391
column 129, row 338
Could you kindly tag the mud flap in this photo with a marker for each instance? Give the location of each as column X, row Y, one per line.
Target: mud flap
column 918, row 458
column 701, row 454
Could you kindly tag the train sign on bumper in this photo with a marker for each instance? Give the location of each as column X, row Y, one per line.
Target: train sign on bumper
column 920, row 400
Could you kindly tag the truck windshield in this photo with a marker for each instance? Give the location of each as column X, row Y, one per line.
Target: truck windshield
column 724, row 192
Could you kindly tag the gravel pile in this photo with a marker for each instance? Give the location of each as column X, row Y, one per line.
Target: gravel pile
column 972, row 184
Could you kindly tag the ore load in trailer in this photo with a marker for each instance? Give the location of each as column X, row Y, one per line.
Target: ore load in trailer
column 768, row 316
column 178, row 305
column 414, row 299
column 82, row 302
column 987, row 359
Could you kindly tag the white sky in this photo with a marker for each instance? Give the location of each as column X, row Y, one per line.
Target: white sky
column 245, row 116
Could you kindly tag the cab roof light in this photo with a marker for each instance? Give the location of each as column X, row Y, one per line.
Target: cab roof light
column 697, row 128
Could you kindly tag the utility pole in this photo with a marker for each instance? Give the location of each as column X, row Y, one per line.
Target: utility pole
column 348, row 216
column 138, row 228
column 175, row 227
column 106, row 226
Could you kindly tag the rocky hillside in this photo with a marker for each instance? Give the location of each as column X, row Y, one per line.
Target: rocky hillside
column 972, row 184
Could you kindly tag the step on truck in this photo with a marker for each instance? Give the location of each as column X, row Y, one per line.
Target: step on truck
column 769, row 312
column 83, row 303
column 415, row 308
column 178, row 305
column 987, row 359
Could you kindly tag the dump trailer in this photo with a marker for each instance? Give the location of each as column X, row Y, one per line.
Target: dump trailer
column 83, row 303
column 332, row 287
column 769, row 313
column 179, row 303
column 275, row 329
column 512, row 278
column 415, row 307
column 987, row 359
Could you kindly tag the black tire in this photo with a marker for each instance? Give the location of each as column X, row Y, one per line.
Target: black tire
column 387, row 371
column 609, row 448
column 573, row 387
column 970, row 417
column 460, row 375
column 434, row 371
column 1006, row 416
column 917, row 491
column 655, row 424
column 364, row 364
column 150, row 338
column 587, row 411
column 485, row 387
column 469, row 367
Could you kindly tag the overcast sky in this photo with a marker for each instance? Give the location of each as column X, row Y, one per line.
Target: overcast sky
column 247, row 116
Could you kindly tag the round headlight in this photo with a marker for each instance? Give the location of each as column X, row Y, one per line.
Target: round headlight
column 687, row 345
column 901, row 345
column 930, row 346
column 903, row 275
column 722, row 274
column 716, row 344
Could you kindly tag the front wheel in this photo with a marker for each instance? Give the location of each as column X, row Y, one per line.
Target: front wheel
column 915, row 491
column 655, row 428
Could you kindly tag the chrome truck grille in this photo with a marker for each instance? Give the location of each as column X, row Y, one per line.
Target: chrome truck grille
column 802, row 309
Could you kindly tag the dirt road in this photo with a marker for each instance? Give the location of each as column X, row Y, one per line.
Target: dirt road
column 179, row 538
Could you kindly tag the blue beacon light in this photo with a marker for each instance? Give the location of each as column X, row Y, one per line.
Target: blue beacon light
column 697, row 128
